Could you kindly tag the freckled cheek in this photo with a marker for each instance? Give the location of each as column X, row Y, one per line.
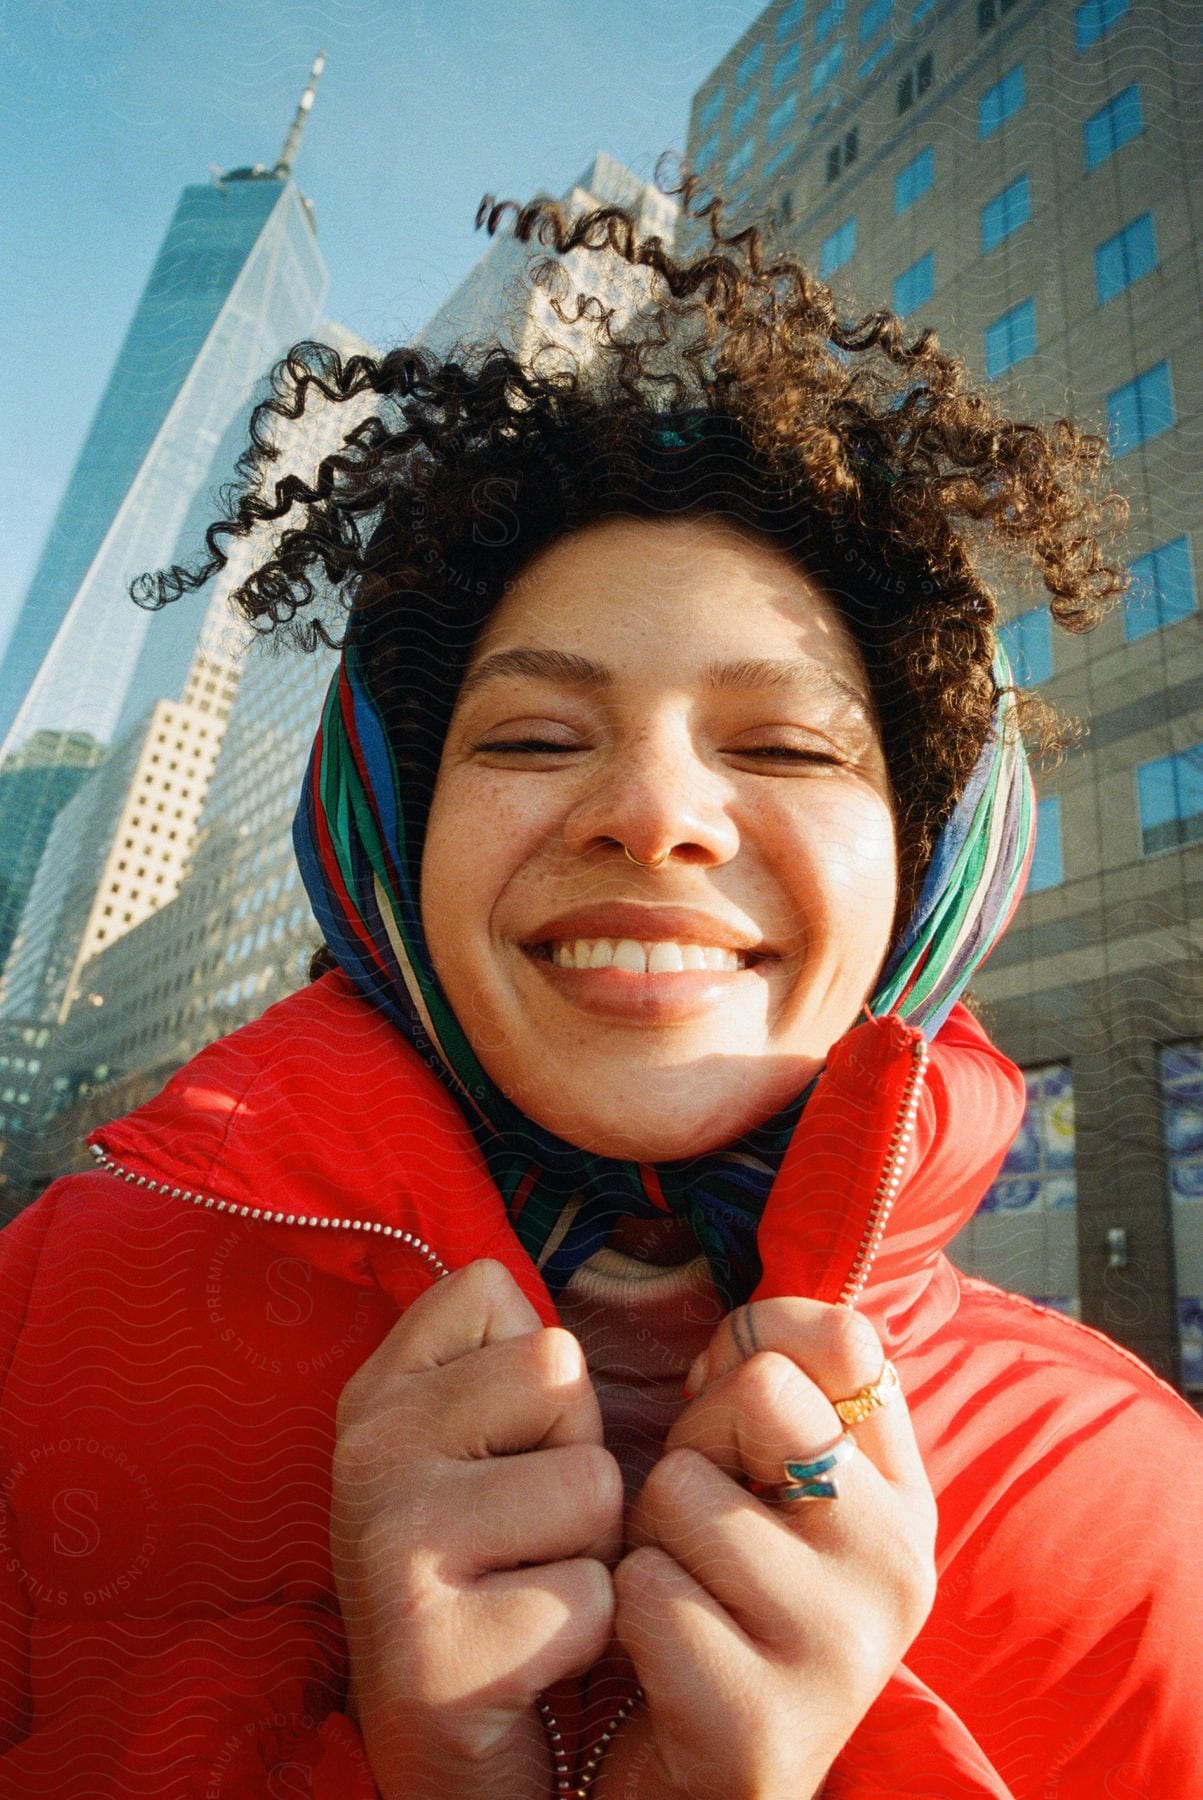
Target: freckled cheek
column 847, row 855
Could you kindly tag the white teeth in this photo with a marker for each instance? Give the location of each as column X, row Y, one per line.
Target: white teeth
column 660, row 958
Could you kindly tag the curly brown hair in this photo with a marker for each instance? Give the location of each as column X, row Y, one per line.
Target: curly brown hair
column 733, row 388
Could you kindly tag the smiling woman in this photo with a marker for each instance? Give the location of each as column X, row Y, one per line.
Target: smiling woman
column 532, row 1344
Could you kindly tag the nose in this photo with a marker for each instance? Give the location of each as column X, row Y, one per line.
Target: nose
column 657, row 797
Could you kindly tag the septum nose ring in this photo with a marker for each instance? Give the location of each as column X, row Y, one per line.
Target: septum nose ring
column 659, row 862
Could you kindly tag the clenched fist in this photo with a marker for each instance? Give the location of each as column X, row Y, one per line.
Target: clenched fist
column 476, row 1517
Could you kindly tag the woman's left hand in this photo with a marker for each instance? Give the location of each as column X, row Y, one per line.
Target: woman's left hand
column 761, row 1633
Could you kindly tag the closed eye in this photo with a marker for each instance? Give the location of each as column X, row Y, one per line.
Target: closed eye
column 789, row 753
column 533, row 746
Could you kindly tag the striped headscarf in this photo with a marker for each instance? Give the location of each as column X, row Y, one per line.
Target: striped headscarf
column 359, row 857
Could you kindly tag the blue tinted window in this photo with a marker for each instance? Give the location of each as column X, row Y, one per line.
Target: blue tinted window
column 778, row 157
column 1125, row 257
column 1011, row 338
column 740, row 160
column 1170, row 792
column 788, row 20
column 875, row 16
column 706, row 152
column 826, row 67
column 1048, row 862
column 1006, row 213
column 1094, row 20
column 749, row 65
column 837, row 247
column 743, row 115
column 921, row 10
column 786, row 66
column 1000, row 101
column 1162, row 591
column 915, row 286
column 914, row 179
column 711, row 108
column 1141, row 409
column 827, row 19
column 866, row 68
column 1028, row 642
column 780, row 117
column 1112, row 125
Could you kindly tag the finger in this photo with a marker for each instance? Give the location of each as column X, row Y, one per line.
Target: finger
column 680, row 1639
column 539, row 1508
column 542, row 1624
column 840, row 1352
column 526, row 1393
column 477, row 1305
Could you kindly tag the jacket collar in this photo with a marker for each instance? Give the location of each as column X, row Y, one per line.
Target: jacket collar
column 318, row 1121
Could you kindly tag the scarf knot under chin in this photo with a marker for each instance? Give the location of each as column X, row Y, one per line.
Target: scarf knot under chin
column 359, row 858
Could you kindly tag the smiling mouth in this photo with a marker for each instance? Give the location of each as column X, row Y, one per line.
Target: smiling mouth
column 634, row 957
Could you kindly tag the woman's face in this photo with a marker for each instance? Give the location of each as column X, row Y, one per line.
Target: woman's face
column 679, row 687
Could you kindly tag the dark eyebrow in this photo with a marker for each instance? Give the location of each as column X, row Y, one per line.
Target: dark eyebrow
column 580, row 671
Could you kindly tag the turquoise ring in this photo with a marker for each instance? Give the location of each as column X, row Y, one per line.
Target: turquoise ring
column 812, row 1479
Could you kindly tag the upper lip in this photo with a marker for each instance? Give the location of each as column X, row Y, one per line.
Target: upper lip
column 648, row 925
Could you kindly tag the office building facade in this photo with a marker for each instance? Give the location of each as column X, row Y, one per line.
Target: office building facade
column 1024, row 178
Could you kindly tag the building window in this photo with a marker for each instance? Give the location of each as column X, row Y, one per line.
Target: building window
column 870, row 62
column 1170, row 793
column 707, row 153
column 1141, row 409
column 780, row 117
column 1112, row 126
column 712, row 106
column 777, row 158
column 743, row 115
column 1162, row 591
column 827, row 19
column 837, row 248
column 1006, row 213
column 786, row 66
column 1094, row 20
column 1038, row 1174
column 840, row 155
column 749, row 66
column 788, row 20
column 1000, row 102
column 1011, row 338
column 915, row 82
column 874, row 18
column 740, row 160
column 1048, row 865
column 827, row 65
column 989, row 12
column 916, row 285
column 1124, row 258
column 1028, row 643
column 1182, row 1127
column 914, row 179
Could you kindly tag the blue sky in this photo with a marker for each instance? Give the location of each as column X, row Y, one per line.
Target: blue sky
column 112, row 106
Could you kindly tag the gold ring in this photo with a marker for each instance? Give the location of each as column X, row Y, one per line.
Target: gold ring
column 868, row 1399
column 660, row 860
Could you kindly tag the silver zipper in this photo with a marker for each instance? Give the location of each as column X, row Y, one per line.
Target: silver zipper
column 267, row 1216
column 212, row 1204
column 890, row 1179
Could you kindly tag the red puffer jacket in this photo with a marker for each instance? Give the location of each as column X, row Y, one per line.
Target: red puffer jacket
column 176, row 1327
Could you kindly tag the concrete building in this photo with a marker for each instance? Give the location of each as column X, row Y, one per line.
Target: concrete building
column 1025, row 178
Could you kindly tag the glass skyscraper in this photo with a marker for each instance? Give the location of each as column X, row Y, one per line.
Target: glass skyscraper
column 238, row 279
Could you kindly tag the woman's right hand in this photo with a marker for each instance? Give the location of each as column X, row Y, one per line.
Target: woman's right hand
column 475, row 1519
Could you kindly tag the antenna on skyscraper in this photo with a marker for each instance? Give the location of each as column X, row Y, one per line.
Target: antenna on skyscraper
column 287, row 155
